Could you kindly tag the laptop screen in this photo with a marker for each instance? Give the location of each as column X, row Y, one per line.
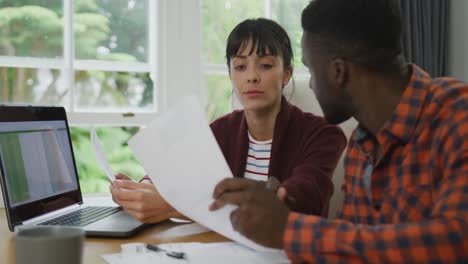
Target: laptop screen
column 36, row 160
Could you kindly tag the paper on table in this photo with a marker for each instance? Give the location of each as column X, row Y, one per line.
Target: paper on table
column 100, row 156
column 181, row 155
column 200, row 253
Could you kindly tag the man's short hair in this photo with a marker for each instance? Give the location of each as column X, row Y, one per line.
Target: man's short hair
column 366, row 32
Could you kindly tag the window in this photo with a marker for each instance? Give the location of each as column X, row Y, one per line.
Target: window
column 94, row 57
column 218, row 19
column 117, row 64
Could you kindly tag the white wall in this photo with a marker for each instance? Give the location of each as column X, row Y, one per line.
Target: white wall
column 180, row 64
column 458, row 34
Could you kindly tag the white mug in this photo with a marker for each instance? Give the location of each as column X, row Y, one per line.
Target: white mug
column 49, row 245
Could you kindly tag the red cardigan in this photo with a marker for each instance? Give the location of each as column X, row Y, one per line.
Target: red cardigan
column 304, row 154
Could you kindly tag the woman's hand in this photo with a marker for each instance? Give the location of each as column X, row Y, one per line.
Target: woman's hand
column 141, row 200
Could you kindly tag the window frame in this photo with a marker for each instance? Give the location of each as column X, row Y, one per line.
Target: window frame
column 222, row 69
column 175, row 62
column 170, row 23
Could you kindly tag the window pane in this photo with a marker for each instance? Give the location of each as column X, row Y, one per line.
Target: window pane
column 218, row 19
column 113, row 91
column 288, row 14
column 218, row 95
column 33, row 86
column 118, row 154
column 32, row 28
column 111, row 30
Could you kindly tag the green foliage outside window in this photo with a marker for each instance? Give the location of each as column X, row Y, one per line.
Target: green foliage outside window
column 118, row 154
column 104, row 30
column 288, row 14
column 218, row 95
column 219, row 17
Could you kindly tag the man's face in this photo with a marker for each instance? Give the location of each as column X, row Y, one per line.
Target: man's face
column 325, row 81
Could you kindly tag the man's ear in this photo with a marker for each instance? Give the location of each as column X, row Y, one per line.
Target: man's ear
column 288, row 72
column 338, row 71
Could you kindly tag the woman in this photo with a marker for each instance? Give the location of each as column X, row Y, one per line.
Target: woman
column 269, row 138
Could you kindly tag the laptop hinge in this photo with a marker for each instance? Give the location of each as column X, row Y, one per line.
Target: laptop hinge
column 50, row 215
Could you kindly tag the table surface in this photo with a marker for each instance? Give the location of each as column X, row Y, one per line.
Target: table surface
column 94, row 247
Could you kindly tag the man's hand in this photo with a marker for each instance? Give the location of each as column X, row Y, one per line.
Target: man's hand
column 261, row 216
column 141, row 200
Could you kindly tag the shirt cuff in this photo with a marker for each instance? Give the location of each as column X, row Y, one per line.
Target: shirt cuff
column 298, row 236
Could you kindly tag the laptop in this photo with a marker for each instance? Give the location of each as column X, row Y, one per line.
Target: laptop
column 39, row 177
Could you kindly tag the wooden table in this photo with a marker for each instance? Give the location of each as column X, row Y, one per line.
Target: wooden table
column 94, row 247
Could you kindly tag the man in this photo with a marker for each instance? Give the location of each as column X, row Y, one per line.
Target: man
column 406, row 167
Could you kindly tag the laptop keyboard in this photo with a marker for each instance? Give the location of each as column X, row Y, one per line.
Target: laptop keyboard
column 84, row 216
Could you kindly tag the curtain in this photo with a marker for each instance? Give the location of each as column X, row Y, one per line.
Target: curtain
column 425, row 34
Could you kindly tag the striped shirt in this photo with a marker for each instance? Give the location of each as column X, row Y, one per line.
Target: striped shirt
column 411, row 205
column 258, row 159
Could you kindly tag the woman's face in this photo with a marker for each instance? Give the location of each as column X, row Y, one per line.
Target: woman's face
column 258, row 81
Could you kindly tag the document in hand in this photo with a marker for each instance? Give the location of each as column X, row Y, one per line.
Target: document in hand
column 100, row 156
column 180, row 153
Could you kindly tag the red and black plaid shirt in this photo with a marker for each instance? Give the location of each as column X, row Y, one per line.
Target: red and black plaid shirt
column 411, row 206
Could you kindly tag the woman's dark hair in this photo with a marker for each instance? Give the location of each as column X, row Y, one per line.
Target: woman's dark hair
column 367, row 32
column 265, row 35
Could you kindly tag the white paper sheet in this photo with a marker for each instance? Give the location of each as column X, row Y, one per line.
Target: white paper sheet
column 200, row 253
column 100, row 156
column 180, row 153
